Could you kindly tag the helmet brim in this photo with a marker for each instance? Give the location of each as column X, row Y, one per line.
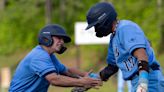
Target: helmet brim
column 91, row 25
column 66, row 38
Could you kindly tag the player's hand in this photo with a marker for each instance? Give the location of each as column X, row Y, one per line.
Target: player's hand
column 85, row 88
column 142, row 87
column 94, row 76
column 82, row 89
column 90, row 82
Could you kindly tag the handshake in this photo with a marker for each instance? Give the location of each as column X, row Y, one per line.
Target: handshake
column 94, row 77
column 103, row 75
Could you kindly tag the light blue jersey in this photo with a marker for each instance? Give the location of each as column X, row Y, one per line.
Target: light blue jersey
column 128, row 37
column 30, row 73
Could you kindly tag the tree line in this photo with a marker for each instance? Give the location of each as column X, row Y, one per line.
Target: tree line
column 21, row 20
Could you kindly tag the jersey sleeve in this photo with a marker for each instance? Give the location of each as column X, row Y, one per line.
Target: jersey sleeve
column 132, row 37
column 42, row 66
column 110, row 56
column 60, row 67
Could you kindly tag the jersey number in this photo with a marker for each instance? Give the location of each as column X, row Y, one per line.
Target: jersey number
column 129, row 63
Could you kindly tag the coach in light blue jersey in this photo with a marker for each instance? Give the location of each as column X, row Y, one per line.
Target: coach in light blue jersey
column 129, row 50
column 40, row 67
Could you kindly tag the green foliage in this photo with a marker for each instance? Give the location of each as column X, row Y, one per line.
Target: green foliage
column 20, row 22
column 22, row 19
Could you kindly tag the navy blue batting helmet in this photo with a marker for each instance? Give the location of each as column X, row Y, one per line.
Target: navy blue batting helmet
column 46, row 33
column 101, row 16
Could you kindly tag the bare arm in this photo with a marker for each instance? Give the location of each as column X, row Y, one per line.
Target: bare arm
column 140, row 54
column 64, row 81
column 142, row 57
column 73, row 72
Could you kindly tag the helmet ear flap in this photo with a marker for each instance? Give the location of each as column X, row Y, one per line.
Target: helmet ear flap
column 45, row 40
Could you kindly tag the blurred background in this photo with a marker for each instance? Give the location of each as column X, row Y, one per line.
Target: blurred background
column 21, row 20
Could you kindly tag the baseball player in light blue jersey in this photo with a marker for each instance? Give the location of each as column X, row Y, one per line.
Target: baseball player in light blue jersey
column 40, row 67
column 129, row 50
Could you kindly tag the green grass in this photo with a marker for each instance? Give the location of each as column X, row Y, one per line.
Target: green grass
column 161, row 61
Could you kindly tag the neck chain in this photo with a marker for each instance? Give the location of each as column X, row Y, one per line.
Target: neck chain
column 118, row 21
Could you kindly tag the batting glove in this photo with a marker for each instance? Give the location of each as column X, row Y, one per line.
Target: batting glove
column 94, row 75
column 143, row 82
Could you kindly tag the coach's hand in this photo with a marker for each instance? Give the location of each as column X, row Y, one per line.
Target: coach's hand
column 88, row 84
column 92, row 77
column 90, row 74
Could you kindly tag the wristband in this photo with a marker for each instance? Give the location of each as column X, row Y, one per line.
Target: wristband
column 107, row 72
column 143, row 77
column 143, row 65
